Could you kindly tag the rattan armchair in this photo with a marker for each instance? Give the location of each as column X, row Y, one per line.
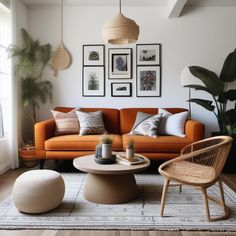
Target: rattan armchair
column 199, row 165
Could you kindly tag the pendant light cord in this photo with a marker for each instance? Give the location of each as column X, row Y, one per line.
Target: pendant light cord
column 62, row 5
column 120, row 6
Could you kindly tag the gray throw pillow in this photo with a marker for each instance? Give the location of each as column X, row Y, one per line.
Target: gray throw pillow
column 172, row 124
column 91, row 122
column 146, row 124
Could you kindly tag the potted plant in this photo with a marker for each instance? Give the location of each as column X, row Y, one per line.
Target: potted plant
column 218, row 88
column 106, row 142
column 130, row 150
column 31, row 60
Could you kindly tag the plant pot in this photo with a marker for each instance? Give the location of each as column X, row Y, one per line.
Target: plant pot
column 230, row 164
column 106, row 150
column 129, row 153
column 28, row 158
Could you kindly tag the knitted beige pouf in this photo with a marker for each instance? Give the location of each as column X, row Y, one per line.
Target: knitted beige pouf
column 38, row 191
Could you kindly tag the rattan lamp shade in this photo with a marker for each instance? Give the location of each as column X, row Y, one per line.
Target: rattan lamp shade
column 120, row 30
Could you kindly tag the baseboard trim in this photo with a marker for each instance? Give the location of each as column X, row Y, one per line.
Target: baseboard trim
column 4, row 168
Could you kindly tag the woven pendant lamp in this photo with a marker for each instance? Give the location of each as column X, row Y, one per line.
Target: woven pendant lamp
column 120, row 30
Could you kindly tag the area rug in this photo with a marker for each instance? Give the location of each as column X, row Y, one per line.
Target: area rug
column 182, row 212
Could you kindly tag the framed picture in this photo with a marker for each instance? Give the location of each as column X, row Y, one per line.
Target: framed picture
column 121, row 89
column 120, row 63
column 93, row 81
column 148, row 54
column 93, row 55
column 148, row 81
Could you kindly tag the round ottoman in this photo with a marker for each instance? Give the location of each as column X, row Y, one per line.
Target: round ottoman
column 38, row 191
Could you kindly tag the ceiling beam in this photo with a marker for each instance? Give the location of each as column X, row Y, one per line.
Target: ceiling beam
column 175, row 7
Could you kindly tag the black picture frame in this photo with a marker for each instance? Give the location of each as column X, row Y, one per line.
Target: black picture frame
column 120, row 63
column 99, row 81
column 93, row 55
column 148, row 54
column 148, row 81
column 118, row 92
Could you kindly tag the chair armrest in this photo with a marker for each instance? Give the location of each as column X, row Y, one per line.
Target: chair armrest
column 42, row 131
column 194, row 130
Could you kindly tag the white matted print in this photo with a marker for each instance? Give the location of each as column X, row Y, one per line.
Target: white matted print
column 121, row 89
column 120, row 63
column 148, row 81
column 93, row 55
column 148, row 54
column 93, row 81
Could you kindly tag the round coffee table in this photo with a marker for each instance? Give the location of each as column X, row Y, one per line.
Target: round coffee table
column 109, row 184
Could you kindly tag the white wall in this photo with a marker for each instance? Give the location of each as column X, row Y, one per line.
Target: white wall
column 202, row 36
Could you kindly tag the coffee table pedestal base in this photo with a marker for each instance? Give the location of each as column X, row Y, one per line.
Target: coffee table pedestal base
column 110, row 189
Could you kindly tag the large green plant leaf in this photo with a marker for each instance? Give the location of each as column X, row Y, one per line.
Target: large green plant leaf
column 204, row 103
column 198, row 87
column 209, row 78
column 228, row 72
column 231, row 94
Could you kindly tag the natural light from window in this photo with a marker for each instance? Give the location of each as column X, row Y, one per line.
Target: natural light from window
column 5, row 71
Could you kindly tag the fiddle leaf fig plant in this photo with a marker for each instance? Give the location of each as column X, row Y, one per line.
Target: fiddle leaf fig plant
column 31, row 60
column 218, row 88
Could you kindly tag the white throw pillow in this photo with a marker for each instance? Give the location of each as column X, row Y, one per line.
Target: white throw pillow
column 172, row 124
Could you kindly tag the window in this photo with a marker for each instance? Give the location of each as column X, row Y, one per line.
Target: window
column 5, row 70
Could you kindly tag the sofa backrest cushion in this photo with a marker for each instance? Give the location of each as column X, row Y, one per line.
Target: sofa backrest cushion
column 111, row 117
column 128, row 116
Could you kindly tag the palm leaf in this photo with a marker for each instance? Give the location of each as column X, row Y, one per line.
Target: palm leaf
column 204, row 103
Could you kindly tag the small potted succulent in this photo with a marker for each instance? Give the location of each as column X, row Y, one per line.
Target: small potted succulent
column 106, row 142
column 130, row 150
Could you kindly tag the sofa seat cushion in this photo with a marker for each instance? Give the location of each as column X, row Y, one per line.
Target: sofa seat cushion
column 76, row 142
column 159, row 144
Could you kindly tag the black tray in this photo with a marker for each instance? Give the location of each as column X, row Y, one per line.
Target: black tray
column 105, row 161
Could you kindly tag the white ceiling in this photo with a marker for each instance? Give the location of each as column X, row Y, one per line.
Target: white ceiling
column 129, row 2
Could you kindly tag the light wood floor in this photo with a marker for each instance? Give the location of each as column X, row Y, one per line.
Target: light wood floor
column 7, row 181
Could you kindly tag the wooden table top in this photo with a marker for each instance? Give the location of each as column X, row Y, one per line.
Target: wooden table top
column 88, row 164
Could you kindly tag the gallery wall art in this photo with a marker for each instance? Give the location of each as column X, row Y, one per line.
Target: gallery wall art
column 120, row 63
column 148, row 70
column 119, row 68
column 93, row 82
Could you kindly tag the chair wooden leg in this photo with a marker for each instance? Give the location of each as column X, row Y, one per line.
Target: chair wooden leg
column 205, row 200
column 216, row 201
column 222, row 197
column 163, row 198
column 180, row 189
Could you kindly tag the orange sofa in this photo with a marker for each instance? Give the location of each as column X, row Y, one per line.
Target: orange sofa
column 118, row 123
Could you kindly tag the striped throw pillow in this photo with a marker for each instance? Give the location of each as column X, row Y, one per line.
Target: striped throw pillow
column 66, row 123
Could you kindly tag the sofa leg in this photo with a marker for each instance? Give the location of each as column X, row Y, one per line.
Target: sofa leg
column 41, row 163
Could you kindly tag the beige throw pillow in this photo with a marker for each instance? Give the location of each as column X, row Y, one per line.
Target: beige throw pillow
column 91, row 122
column 66, row 123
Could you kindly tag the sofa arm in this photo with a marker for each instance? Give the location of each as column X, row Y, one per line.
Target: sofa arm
column 42, row 131
column 194, row 130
